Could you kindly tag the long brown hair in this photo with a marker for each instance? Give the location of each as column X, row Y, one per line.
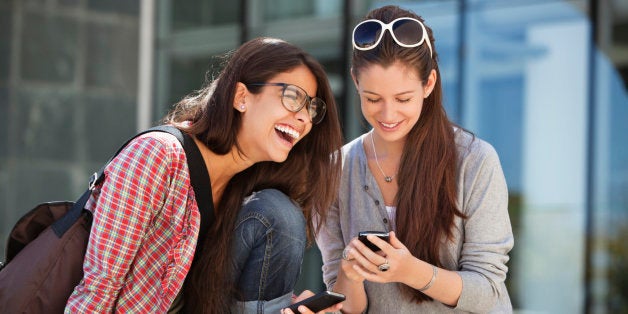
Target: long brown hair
column 310, row 175
column 429, row 157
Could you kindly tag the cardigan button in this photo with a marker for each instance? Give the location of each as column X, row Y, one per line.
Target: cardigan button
column 366, row 188
column 385, row 220
column 377, row 202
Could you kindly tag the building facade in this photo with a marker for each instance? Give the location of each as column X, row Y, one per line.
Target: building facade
column 544, row 81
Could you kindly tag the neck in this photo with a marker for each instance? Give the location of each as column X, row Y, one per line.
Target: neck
column 221, row 168
column 387, row 150
column 388, row 165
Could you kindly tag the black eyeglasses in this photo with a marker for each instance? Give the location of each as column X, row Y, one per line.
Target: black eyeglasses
column 294, row 98
column 406, row 31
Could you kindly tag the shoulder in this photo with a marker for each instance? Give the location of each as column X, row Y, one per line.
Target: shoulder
column 159, row 140
column 472, row 149
column 353, row 146
column 153, row 148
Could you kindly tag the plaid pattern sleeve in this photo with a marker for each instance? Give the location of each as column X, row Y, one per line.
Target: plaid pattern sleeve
column 144, row 231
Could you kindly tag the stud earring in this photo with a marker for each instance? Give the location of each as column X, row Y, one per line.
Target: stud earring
column 242, row 107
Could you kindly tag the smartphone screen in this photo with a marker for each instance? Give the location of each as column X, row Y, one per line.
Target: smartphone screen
column 319, row 302
column 380, row 234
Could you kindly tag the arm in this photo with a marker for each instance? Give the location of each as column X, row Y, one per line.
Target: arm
column 485, row 241
column 488, row 234
column 337, row 273
column 134, row 188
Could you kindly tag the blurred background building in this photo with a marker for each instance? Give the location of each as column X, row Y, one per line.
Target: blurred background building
column 544, row 81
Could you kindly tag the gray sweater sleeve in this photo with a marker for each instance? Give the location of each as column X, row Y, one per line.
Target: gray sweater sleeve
column 487, row 231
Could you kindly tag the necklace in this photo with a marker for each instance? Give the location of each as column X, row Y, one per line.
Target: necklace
column 386, row 178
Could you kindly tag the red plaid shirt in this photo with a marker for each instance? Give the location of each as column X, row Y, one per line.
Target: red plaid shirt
column 144, row 232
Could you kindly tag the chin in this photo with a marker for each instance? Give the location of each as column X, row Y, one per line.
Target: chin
column 280, row 158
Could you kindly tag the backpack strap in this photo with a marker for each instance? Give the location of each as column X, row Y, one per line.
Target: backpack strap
column 199, row 178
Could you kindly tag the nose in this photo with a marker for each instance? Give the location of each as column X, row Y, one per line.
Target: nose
column 303, row 114
column 389, row 111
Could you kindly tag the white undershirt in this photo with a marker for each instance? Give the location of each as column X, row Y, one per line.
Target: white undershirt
column 392, row 210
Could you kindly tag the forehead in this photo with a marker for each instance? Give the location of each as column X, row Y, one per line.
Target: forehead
column 300, row 76
column 396, row 74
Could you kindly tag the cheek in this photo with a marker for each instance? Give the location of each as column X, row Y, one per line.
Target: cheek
column 417, row 111
column 366, row 107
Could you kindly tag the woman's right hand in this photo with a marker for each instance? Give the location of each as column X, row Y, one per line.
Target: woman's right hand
column 304, row 310
column 348, row 261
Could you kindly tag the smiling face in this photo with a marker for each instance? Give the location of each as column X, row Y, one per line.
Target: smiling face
column 391, row 98
column 269, row 130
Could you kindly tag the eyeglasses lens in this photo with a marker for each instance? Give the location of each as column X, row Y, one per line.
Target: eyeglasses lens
column 294, row 99
column 367, row 34
column 317, row 110
column 408, row 32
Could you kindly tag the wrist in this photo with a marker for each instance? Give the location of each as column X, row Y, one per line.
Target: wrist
column 432, row 279
column 344, row 277
column 423, row 275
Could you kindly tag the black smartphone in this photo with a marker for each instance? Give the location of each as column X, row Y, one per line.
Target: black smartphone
column 319, row 301
column 380, row 234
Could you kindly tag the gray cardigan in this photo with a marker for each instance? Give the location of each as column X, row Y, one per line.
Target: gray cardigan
column 480, row 246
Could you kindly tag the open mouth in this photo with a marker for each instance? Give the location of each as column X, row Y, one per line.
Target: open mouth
column 287, row 133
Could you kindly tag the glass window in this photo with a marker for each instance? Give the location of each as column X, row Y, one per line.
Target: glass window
column 523, row 94
column 191, row 14
column 609, row 259
column 275, row 10
column 68, row 74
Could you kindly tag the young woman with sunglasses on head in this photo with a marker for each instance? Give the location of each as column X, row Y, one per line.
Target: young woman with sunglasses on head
column 439, row 190
column 266, row 128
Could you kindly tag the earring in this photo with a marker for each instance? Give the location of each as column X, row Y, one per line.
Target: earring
column 242, row 107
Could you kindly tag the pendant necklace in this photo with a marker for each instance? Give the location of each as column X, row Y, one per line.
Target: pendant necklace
column 386, row 178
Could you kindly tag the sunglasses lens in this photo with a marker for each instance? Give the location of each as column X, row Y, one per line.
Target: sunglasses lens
column 367, row 34
column 408, row 32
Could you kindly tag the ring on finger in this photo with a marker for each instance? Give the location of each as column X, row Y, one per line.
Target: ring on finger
column 345, row 254
column 384, row 266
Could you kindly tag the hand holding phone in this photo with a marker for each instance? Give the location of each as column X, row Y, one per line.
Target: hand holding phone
column 380, row 234
column 319, row 301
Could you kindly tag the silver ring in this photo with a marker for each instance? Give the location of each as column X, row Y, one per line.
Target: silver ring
column 344, row 254
column 384, row 267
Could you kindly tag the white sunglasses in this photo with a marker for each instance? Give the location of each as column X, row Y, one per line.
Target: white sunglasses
column 406, row 31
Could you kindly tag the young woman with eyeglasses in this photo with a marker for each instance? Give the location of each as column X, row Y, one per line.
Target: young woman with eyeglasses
column 267, row 128
column 439, row 190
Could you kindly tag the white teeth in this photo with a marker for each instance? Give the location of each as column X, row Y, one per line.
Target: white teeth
column 290, row 131
column 390, row 125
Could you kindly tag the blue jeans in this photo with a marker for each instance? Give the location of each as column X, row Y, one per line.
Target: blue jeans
column 268, row 247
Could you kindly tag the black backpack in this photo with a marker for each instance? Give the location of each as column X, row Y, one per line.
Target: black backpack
column 46, row 248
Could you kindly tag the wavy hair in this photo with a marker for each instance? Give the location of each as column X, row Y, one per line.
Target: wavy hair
column 310, row 175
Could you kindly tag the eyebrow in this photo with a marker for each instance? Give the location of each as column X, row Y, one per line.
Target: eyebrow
column 397, row 94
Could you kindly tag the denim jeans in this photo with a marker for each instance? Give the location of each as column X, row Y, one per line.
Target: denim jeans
column 268, row 247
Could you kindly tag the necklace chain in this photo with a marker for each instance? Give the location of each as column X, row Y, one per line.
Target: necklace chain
column 386, row 178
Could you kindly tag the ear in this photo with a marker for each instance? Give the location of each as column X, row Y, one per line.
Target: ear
column 431, row 82
column 239, row 99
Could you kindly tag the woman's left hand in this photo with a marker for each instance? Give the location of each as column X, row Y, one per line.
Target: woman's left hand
column 303, row 309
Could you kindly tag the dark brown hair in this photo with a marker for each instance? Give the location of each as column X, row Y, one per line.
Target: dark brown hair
column 310, row 175
column 429, row 158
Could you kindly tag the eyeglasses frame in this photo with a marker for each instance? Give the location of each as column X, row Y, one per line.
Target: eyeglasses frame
column 308, row 98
